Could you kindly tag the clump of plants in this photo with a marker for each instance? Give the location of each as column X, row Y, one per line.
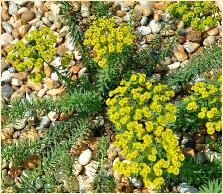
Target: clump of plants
column 202, row 109
column 196, row 14
column 36, row 48
column 105, row 36
column 142, row 114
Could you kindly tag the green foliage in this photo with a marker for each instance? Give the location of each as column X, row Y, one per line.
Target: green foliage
column 79, row 101
column 104, row 183
column 62, row 133
column 195, row 172
column 209, row 60
column 213, row 186
column 197, row 14
column 202, row 109
column 38, row 47
column 101, row 9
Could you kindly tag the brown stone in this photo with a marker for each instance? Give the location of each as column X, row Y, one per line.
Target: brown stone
column 194, row 36
column 74, row 77
column 159, row 5
column 213, row 32
column 23, row 30
column 47, row 70
column 182, row 39
column 61, row 50
column 75, row 69
column 27, row 16
column 5, row 16
column 199, row 138
column 121, row 13
column 16, row 16
column 42, row 8
column 20, row 75
column 180, row 54
column 188, row 152
column 15, row 33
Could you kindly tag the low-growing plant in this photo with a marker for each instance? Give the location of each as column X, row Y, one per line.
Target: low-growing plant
column 105, row 36
column 33, row 50
column 202, row 109
column 142, row 114
column 196, row 14
column 213, row 186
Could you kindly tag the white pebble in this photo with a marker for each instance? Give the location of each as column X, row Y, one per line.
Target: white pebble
column 174, row 66
column 155, row 26
column 16, row 82
column 85, row 157
column 53, row 116
column 6, row 76
column 144, row 30
column 54, row 77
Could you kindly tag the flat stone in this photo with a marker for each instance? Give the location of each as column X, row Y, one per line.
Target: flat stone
column 5, row 39
column 7, row 91
column 210, row 40
column 16, row 82
column 213, row 32
column 27, row 16
column 194, row 36
column 191, row 47
column 185, row 188
column 180, row 54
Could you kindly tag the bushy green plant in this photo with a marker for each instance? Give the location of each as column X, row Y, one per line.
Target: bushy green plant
column 213, row 186
column 36, row 48
column 202, row 109
column 105, row 37
column 196, row 14
column 142, row 114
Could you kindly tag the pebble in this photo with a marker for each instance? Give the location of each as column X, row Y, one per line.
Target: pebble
column 82, row 72
column 54, row 77
column 44, row 123
column 55, row 8
column 194, row 36
column 157, row 77
column 4, row 173
column 34, row 86
column 11, row 70
column 180, row 54
column 85, row 157
column 85, row 185
column 7, row 91
column 61, row 50
column 85, row 11
column 27, row 16
column 12, row 8
column 7, row 27
column 5, row 15
column 144, row 20
column 53, row 116
column 69, row 43
column 144, row 30
column 191, row 47
column 77, row 168
column 166, row 61
column 159, row 5
column 6, row 39
column 121, row 13
column 16, row 135
column 56, row 62
column 155, row 26
column 213, row 32
column 20, row 75
column 6, row 76
column 77, row 55
column 42, row 92
column 20, row 124
column 16, row 82
column 91, row 170
column 136, row 182
column 75, row 69
column 185, row 188
column 210, row 40
column 4, row 164
column 112, row 155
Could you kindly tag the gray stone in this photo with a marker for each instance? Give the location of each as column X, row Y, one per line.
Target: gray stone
column 44, row 123
column 157, row 77
column 209, row 41
column 144, row 20
column 136, row 182
column 185, row 188
column 11, row 69
column 7, row 27
column 12, row 8
column 7, row 91
column 191, row 47
column 20, row 124
column 155, row 26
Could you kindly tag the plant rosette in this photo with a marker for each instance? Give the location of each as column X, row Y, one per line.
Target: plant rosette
column 142, row 114
column 202, row 109
column 106, row 37
column 36, row 48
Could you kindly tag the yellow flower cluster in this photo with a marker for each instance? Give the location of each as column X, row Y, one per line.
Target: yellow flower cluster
column 206, row 103
column 141, row 111
column 107, row 37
